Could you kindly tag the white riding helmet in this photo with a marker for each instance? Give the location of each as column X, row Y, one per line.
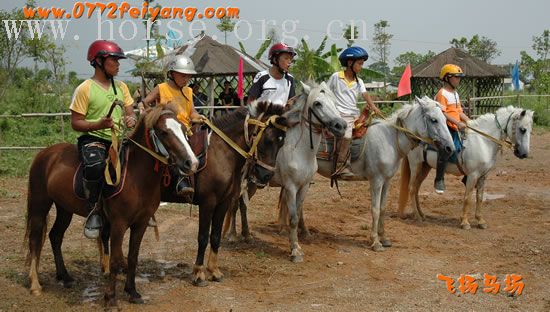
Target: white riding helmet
column 181, row 64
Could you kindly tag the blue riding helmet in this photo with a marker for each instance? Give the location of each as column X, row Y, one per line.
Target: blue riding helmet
column 352, row 53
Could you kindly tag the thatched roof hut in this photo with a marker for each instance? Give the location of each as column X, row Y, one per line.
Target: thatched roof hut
column 482, row 79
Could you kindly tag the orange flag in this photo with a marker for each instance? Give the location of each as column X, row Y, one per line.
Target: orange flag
column 404, row 87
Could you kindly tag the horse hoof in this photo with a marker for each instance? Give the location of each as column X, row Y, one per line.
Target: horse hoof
column 200, row 283
column 297, row 258
column 135, row 300
column 36, row 292
column 218, row 279
column 248, row 239
column 232, row 238
column 68, row 283
column 482, row 226
column 465, row 226
column 386, row 243
column 378, row 247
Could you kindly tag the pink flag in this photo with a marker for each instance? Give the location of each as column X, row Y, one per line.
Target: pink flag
column 240, row 91
column 404, row 87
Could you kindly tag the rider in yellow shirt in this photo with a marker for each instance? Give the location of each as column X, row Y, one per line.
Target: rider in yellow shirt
column 179, row 71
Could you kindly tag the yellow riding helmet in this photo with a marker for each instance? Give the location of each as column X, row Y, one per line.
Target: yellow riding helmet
column 450, row 70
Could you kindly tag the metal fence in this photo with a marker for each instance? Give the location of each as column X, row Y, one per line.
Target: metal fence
column 470, row 107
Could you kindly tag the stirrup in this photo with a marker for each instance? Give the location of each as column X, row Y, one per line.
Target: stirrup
column 93, row 225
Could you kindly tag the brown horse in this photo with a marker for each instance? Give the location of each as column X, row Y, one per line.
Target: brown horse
column 50, row 181
column 218, row 185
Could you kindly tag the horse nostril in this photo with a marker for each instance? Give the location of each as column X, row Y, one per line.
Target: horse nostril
column 448, row 149
column 187, row 164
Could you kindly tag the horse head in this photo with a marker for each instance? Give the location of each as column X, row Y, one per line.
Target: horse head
column 317, row 104
column 269, row 140
column 168, row 136
column 518, row 128
column 434, row 125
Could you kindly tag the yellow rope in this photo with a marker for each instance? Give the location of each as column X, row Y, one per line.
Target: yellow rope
column 497, row 141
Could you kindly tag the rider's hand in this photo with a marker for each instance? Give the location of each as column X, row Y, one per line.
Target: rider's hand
column 106, row 122
column 130, row 121
column 461, row 126
column 141, row 107
column 199, row 119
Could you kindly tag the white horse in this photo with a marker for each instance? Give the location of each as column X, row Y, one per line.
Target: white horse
column 384, row 147
column 296, row 160
column 476, row 160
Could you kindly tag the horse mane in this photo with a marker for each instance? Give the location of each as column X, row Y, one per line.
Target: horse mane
column 154, row 113
column 490, row 117
column 400, row 113
column 236, row 117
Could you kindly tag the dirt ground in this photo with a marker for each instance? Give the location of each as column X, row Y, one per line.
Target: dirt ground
column 340, row 272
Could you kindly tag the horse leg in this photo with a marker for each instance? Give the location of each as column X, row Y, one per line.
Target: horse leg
column 480, row 189
column 103, row 246
column 283, row 211
column 384, row 196
column 245, row 230
column 231, row 218
column 424, row 170
column 300, row 197
column 117, row 260
column 215, row 237
column 296, row 254
column 375, row 191
column 62, row 221
column 243, row 206
column 470, row 184
column 205, row 218
column 136, row 236
column 37, row 219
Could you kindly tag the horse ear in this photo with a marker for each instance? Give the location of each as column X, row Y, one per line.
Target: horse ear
column 306, row 88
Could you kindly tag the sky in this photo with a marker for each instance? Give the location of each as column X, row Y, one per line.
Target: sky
column 417, row 26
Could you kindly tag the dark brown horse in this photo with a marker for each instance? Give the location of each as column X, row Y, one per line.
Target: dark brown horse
column 218, row 185
column 50, row 181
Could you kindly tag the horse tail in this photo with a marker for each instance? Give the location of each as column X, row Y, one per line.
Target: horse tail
column 38, row 207
column 404, row 186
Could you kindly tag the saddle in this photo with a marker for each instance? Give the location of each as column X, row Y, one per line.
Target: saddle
column 328, row 151
column 107, row 191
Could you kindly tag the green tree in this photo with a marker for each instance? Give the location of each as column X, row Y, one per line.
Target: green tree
column 538, row 68
column 480, row 47
column 309, row 63
column 409, row 57
column 381, row 47
column 226, row 25
column 351, row 33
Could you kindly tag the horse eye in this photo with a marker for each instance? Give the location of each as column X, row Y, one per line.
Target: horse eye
column 280, row 138
column 317, row 104
column 522, row 130
column 434, row 120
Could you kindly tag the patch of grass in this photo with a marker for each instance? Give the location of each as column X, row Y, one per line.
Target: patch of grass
column 9, row 194
column 261, row 255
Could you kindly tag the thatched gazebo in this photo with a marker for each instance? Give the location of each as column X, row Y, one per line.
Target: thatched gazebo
column 215, row 63
column 482, row 79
